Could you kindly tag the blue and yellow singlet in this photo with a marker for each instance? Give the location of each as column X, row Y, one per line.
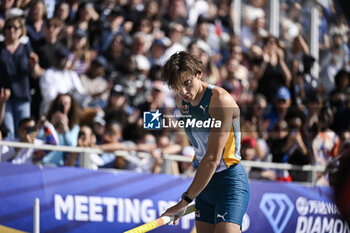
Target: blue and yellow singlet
column 199, row 136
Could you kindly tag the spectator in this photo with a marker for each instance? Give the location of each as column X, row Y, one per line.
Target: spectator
column 157, row 50
column 18, row 61
column 35, row 23
column 339, row 100
column 112, row 141
column 253, row 123
column 141, row 43
column 234, row 41
column 210, row 72
column 58, row 79
column 86, row 138
column 249, row 152
column 133, row 13
column 62, row 12
column 95, row 83
column 340, row 27
column 253, row 10
column 117, row 107
column 175, row 34
column 115, row 22
column 205, row 31
column 342, row 82
column 116, row 54
column 154, row 163
column 254, row 34
column 280, row 107
column 296, row 148
column 325, row 144
column 305, row 84
column 80, row 57
column 63, row 115
column 49, row 44
column 236, row 53
column 276, row 142
column 46, row 51
column 290, row 146
column 314, row 104
column 158, row 99
column 291, row 24
column 273, row 71
column 94, row 29
column 176, row 11
column 27, row 133
column 224, row 21
column 145, row 26
column 151, row 10
column 86, row 16
column 5, row 7
column 134, row 82
column 333, row 62
column 98, row 126
column 296, row 52
column 237, row 77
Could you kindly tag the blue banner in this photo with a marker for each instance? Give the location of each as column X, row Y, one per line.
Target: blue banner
column 80, row 200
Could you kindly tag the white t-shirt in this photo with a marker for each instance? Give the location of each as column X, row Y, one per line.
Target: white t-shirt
column 23, row 156
column 54, row 82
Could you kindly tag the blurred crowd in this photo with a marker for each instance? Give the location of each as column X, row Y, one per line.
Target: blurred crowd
column 81, row 73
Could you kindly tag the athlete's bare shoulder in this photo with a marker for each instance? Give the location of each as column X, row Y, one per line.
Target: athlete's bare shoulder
column 221, row 98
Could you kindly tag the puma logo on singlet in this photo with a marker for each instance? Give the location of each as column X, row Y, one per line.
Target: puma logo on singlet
column 203, row 108
column 221, row 216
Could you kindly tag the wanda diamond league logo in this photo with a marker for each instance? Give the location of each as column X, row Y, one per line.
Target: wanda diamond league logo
column 277, row 208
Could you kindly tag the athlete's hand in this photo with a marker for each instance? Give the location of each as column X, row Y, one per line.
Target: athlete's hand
column 176, row 210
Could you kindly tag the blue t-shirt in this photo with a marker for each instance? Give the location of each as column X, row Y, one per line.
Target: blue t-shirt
column 14, row 70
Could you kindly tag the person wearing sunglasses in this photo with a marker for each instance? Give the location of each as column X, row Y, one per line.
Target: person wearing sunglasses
column 17, row 63
column 27, row 133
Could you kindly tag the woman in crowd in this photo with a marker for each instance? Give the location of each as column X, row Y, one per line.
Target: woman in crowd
column 80, row 57
column 17, row 62
column 36, row 23
column 63, row 115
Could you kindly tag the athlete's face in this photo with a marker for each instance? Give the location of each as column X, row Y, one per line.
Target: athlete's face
column 188, row 87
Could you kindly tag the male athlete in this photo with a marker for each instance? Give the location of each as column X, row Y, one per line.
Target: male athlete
column 220, row 185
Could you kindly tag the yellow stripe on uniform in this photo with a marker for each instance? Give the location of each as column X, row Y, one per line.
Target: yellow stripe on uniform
column 230, row 147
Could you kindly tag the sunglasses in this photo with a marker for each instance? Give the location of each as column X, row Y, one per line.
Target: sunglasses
column 9, row 27
column 30, row 129
column 52, row 26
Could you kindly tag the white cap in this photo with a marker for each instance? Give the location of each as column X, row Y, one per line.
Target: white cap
column 15, row 12
column 142, row 62
column 202, row 45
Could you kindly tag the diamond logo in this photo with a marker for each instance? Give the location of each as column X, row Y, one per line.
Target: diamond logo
column 277, row 208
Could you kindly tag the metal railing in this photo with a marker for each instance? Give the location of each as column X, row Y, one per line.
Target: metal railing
column 313, row 169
